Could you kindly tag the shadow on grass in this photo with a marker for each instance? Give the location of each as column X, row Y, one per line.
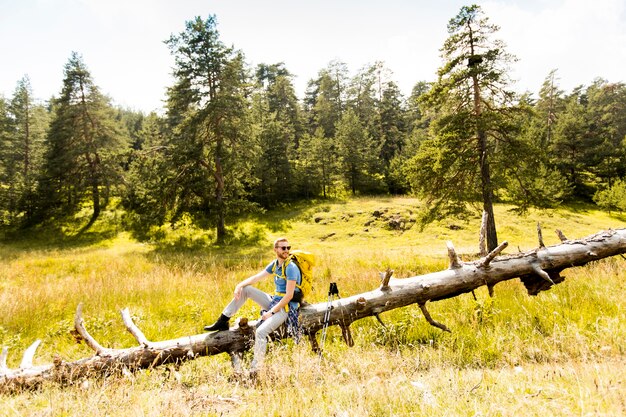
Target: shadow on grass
column 51, row 237
column 247, row 235
column 584, row 208
column 280, row 218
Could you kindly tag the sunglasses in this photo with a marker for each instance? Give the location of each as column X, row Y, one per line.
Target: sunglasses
column 284, row 247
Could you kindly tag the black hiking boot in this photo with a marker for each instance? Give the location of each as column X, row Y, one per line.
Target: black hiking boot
column 220, row 324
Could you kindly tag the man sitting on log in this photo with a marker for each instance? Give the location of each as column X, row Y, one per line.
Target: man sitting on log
column 276, row 309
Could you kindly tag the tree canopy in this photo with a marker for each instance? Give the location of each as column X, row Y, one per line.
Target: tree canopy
column 235, row 138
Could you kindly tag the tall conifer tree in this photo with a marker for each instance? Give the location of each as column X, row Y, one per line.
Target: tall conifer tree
column 548, row 108
column 84, row 145
column 147, row 194
column 357, row 153
column 30, row 122
column 470, row 103
column 606, row 114
column 207, row 112
column 5, row 146
column 276, row 115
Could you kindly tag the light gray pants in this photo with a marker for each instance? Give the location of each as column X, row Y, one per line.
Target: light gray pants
column 266, row 327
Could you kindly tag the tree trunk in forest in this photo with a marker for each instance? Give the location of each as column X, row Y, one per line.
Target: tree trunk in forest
column 93, row 163
column 483, row 151
column 487, row 193
column 538, row 269
column 95, row 197
column 485, row 174
column 95, row 193
column 219, row 196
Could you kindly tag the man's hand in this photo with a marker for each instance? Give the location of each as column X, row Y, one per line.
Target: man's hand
column 238, row 290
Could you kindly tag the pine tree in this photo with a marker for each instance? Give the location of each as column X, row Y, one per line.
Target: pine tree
column 588, row 137
column 571, row 144
column 147, row 196
column 469, row 105
column 324, row 104
column 276, row 115
column 379, row 105
column 207, row 112
column 416, row 124
column 30, row 122
column 363, row 97
column 393, row 117
column 606, row 114
column 318, row 163
column 357, row 153
column 5, row 165
column 531, row 181
column 84, row 146
column 548, row 108
column 326, row 98
column 272, row 167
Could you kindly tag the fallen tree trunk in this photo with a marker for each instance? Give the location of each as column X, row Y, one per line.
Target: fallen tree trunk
column 538, row 269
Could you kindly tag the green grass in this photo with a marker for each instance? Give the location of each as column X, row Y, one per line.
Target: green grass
column 559, row 353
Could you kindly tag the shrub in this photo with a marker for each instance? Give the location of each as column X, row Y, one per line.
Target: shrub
column 612, row 198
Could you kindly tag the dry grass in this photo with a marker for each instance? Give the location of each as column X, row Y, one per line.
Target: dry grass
column 560, row 353
column 364, row 382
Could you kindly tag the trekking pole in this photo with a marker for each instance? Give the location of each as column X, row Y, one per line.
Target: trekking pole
column 332, row 291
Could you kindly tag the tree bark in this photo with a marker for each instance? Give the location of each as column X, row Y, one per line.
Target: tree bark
column 538, row 269
column 219, row 195
column 483, row 152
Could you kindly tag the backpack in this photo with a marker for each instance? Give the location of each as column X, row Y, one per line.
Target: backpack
column 305, row 262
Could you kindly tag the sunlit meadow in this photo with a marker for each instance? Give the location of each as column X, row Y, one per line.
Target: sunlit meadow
column 560, row 353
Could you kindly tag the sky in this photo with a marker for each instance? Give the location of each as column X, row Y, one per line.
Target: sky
column 122, row 41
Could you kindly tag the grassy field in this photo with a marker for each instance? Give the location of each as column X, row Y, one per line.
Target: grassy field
column 560, row 353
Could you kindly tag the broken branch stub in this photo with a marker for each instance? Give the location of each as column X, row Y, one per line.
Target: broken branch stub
column 455, row 262
column 540, row 236
column 385, row 277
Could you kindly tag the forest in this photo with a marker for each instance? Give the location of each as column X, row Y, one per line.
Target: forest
column 233, row 140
